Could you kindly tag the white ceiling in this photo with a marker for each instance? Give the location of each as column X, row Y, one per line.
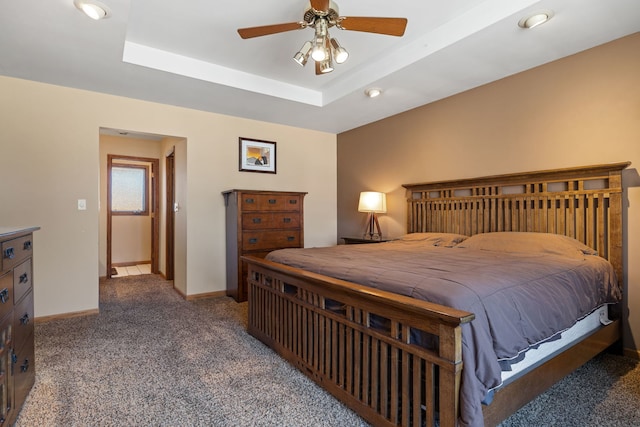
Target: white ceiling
column 188, row 53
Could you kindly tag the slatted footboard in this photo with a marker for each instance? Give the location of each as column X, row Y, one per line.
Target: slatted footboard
column 360, row 344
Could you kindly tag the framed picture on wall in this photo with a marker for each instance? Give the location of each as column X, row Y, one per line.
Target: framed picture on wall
column 257, row 155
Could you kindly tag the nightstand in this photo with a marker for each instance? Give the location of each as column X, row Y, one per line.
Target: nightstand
column 362, row 240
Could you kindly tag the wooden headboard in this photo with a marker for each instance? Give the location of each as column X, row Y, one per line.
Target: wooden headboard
column 582, row 202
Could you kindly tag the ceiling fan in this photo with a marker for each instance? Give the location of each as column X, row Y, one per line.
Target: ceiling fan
column 322, row 15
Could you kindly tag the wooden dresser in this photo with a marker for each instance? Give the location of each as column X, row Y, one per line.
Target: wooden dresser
column 259, row 222
column 17, row 364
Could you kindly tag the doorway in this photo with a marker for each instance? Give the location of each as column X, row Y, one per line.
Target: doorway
column 134, row 144
column 132, row 213
column 171, row 209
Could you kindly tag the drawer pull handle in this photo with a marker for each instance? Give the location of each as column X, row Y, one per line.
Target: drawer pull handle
column 24, row 320
column 24, row 278
column 293, row 201
column 27, row 245
column 9, row 253
column 14, row 359
column 4, row 295
column 257, row 220
column 286, row 220
column 253, row 240
column 272, row 201
column 248, row 200
column 25, row 366
column 291, row 238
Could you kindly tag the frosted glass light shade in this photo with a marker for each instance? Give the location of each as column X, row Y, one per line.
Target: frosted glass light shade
column 326, row 66
column 372, row 201
column 340, row 54
column 319, row 50
column 303, row 55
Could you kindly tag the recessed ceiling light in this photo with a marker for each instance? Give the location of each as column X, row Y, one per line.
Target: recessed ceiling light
column 373, row 92
column 535, row 19
column 93, row 9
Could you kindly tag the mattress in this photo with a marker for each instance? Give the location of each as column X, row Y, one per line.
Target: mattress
column 548, row 349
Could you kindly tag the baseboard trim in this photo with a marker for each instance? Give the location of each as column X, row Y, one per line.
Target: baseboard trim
column 205, row 295
column 103, row 278
column 44, row 319
column 633, row 354
column 130, row 263
column 94, row 312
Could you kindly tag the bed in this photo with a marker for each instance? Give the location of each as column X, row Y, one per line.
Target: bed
column 396, row 359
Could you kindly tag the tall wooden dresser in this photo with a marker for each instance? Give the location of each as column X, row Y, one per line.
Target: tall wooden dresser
column 17, row 364
column 259, row 222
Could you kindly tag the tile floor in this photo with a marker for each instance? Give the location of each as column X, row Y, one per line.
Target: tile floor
column 133, row 270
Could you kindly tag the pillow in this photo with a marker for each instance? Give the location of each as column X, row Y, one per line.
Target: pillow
column 447, row 240
column 526, row 242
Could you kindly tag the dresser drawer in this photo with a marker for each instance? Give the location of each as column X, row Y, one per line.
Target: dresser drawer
column 23, row 321
column 24, row 371
column 253, row 241
column 15, row 251
column 262, row 220
column 22, row 279
column 6, row 294
column 271, row 202
column 6, row 379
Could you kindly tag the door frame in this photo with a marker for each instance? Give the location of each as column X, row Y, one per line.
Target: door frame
column 154, row 194
column 170, row 215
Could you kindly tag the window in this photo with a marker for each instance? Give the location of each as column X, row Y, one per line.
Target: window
column 129, row 190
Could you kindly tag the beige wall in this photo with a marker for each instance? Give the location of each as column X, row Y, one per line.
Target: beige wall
column 581, row 110
column 50, row 158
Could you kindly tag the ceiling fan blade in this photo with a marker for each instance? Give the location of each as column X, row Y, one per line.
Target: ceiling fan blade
column 320, row 5
column 265, row 30
column 388, row 26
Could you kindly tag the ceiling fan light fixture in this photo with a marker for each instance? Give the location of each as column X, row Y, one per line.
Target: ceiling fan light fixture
column 326, row 66
column 535, row 19
column 300, row 59
column 93, row 9
column 340, row 54
column 303, row 54
column 321, row 42
column 319, row 51
column 322, row 15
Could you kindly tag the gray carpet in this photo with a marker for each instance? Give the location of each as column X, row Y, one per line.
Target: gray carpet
column 603, row 392
column 152, row 359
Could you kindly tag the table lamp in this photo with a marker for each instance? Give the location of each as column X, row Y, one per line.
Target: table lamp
column 373, row 203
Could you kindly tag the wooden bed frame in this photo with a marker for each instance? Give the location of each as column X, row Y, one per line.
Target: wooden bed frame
column 379, row 373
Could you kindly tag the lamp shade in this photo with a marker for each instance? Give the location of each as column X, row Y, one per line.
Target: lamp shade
column 372, row 201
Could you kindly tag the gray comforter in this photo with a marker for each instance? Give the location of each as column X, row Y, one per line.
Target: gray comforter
column 518, row 299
